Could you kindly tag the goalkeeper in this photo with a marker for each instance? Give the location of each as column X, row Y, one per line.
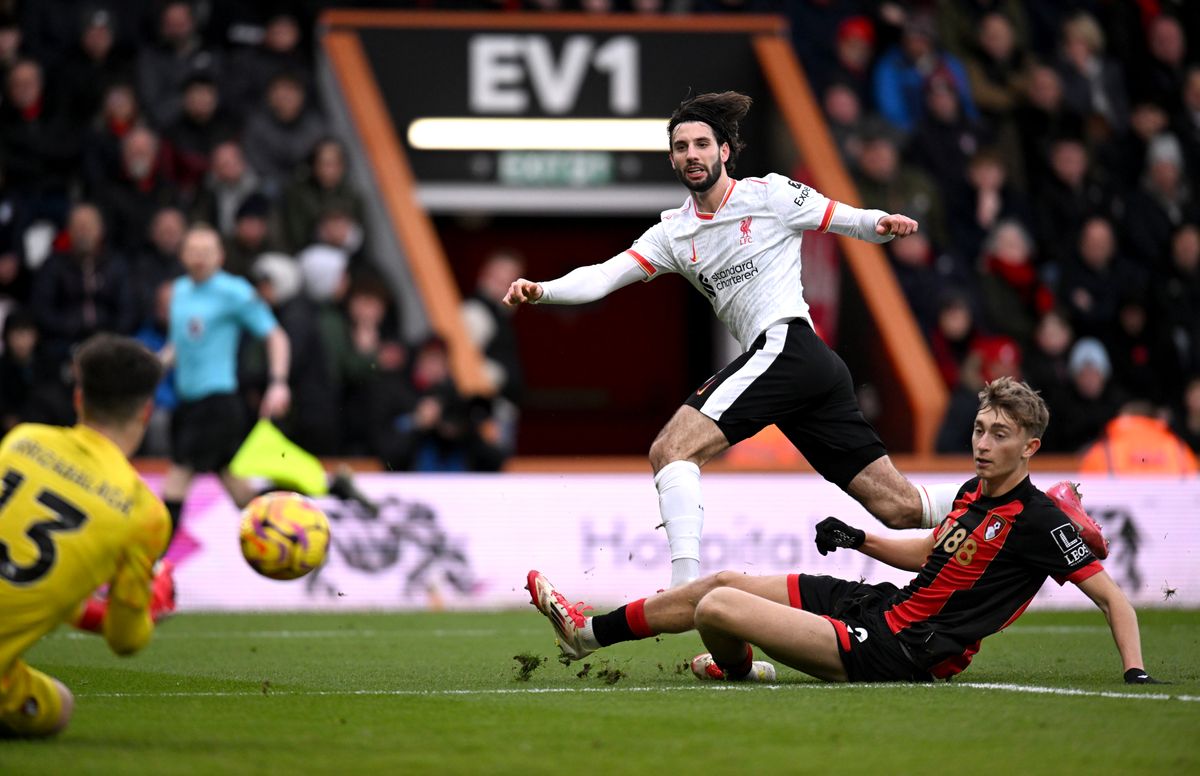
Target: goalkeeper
column 75, row 515
column 976, row 573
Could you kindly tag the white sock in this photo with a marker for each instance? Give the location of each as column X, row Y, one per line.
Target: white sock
column 587, row 638
column 682, row 509
column 936, row 502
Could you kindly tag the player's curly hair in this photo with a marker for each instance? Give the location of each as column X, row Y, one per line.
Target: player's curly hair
column 1019, row 402
column 720, row 110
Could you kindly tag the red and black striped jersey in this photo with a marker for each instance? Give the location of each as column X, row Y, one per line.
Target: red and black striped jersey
column 991, row 556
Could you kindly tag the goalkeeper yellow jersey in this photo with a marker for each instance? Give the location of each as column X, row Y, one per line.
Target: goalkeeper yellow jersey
column 74, row 515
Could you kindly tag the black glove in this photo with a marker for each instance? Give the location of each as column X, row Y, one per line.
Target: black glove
column 1139, row 676
column 833, row 533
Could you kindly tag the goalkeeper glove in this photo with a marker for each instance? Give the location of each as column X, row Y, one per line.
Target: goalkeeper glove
column 1139, row 676
column 833, row 533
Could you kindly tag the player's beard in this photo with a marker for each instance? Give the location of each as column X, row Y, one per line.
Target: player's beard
column 704, row 185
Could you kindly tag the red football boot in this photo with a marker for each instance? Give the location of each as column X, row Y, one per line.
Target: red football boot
column 1065, row 496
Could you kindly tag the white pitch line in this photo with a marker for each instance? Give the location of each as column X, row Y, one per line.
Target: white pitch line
column 440, row 633
column 803, row 687
column 1055, row 629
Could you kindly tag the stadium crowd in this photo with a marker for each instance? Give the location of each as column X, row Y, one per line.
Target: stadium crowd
column 1049, row 151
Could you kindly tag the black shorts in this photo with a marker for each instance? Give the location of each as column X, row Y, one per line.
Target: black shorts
column 790, row 378
column 870, row 651
column 206, row 433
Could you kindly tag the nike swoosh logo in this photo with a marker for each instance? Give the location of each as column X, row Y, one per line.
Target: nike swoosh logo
column 704, row 387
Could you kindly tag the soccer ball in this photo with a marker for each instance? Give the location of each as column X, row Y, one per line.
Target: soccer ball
column 284, row 535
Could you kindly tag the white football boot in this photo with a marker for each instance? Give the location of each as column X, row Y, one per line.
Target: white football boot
column 567, row 618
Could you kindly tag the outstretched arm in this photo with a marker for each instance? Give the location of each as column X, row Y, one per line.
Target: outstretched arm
column 1122, row 620
column 906, row 554
column 579, row 286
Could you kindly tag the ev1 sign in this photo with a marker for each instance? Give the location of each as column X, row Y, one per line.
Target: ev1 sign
column 506, row 72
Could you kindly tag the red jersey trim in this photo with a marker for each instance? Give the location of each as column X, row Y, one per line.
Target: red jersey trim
column 928, row 601
column 646, row 266
column 827, row 219
column 843, row 634
column 954, row 665
column 793, row 586
column 1087, row 572
column 724, row 199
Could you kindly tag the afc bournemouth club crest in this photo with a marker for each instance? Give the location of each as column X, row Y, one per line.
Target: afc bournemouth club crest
column 994, row 526
column 745, row 226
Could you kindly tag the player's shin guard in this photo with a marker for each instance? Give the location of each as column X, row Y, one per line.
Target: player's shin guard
column 937, row 501
column 682, row 509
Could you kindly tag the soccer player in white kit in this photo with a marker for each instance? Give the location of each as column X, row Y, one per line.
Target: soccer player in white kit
column 738, row 243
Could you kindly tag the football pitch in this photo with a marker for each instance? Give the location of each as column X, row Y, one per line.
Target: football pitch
column 483, row 693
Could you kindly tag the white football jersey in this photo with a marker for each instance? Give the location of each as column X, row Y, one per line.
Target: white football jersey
column 745, row 257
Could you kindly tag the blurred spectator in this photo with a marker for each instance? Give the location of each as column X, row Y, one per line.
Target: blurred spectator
column 322, row 186
column 165, row 66
column 1162, row 204
column 251, row 235
column 201, row 126
column 158, row 262
column 281, row 134
column 855, row 51
column 1067, row 199
column 229, row 182
column 153, row 334
column 313, row 421
column 945, row 138
column 998, row 69
column 1143, row 358
column 10, row 43
column 990, row 357
column 1177, row 295
column 1093, row 83
column 14, row 275
column 901, row 72
column 961, row 22
column 913, row 261
column 367, row 365
column 818, row 30
column 1187, row 418
column 251, row 68
column 1041, row 119
column 987, row 201
column 1135, row 442
column 102, row 143
column 1093, row 282
column 142, row 188
column 899, row 188
column 1013, row 294
column 51, row 27
column 92, row 66
column 1159, row 77
column 348, row 365
column 489, row 325
column 1124, row 159
column 442, row 430
column 1186, row 121
column 1091, row 402
column 337, row 227
column 843, row 114
column 84, row 288
column 1046, row 366
column 953, row 336
column 31, row 382
column 38, row 149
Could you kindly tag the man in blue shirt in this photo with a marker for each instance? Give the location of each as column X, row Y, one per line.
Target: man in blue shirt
column 209, row 311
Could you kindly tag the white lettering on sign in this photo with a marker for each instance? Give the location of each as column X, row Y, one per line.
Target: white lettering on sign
column 508, row 71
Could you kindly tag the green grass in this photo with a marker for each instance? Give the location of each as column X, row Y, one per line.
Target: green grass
column 439, row 693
